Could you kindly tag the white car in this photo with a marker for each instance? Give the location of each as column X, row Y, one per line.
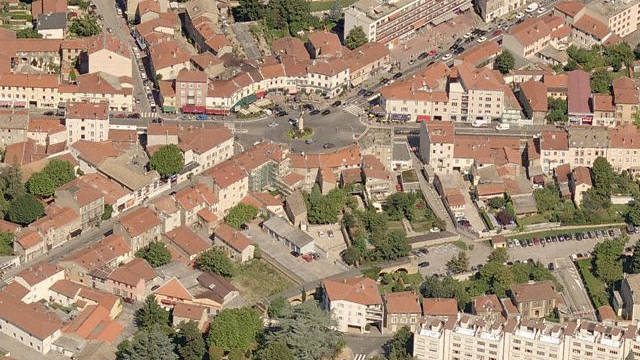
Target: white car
column 519, row 15
column 531, row 7
column 273, row 124
column 541, row 10
column 434, row 229
column 502, row 126
column 446, row 57
column 482, row 39
column 467, row 35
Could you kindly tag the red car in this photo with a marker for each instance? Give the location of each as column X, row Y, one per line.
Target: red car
column 497, row 32
column 307, row 257
column 433, row 52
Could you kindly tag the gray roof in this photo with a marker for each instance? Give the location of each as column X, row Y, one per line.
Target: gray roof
column 524, row 204
column 14, row 120
column 123, row 170
column 296, row 204
column 284, row 229
column 588, row 137
column 401, row 151
column 52, row 21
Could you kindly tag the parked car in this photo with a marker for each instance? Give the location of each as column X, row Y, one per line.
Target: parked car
column 423, row 56
column 423, row 264
column 397, row 75
column 295, row 253
column 326, row 112
column 314, row 112
column 330, row 233
column 336, row 103
column 446, row 57
column 502, row 126
column 201, row 117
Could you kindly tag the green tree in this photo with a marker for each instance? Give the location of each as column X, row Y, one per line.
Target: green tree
column 355, row 38
column 6, row 243
column 497, row 277
column 401, row 204
column 324, row 209
column 216, row 261
column 40, row 184
column 28, row 33
column 496, row 202
column 547, row 198
column 167, row 161
column 499, row 255
column 446, row 287
column 84, row 27
column 558, row 111
column 189, row 342
column 606, row 260
column 156, row 254
column 335, row 14
column 505, row 62
column 634, row 266
column 278, row 307
column 274, row 351
column 390, row 247
column 458, row 264
column 215, row 353
column 240, row 214
column 151, row 313
column 601, row 81
column 72, row 76
column 25, row 209
column 400, row 346
column 603, row 176
column 106, row 213
column 248, row 10
column 307, row 331
column 570, row 65
column 630, row 356
column 149, row 344
column 235, row 329
column 618, row 55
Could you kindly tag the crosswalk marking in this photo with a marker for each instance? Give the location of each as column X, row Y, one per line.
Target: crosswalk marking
column 353, row 109
column 360, row 357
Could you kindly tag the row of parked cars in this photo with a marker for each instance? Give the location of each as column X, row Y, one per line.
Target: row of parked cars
column 577, row 236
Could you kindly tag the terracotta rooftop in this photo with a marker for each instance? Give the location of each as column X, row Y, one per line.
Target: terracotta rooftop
column 570, row 8
column 582, row 175
column 591, row 26
column 188, row 311
column 234, row 238
column 535, row 94
column 362, row 291
column 343, row 157
column 554, row 140
column 405, row 302
column 174, row 289
column 439, row 307
column 32, row 318
column 187, row 240
column 290, row 45
column 139, row 221
column 325, row 43
column 541, row 290
column 132, row 272
column 100, row 253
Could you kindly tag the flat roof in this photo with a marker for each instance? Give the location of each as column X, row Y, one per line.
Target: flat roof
column 376, row 9
column 401, row 151
column 609, row 8
column 285, row 230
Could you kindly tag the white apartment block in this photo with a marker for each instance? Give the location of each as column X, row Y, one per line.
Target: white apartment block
column 621, row 16
column 468, row 337
column 354, row 303
column 87, row 121
column 389, row 21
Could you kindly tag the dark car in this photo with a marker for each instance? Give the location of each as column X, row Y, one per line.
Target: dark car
column 328, row 146
column 423, row 56
column 336, row 103
column 326, row 112
column 293, row 121
column 50, row 112
column 458, row 51
column 308, row 107
column 295, row 253
column 314, row 112
column 423, row 264
column 134, row 116
column 368, row 93
column 397, row 75
column 281, row 113
column 362, row 92
column 384, row 81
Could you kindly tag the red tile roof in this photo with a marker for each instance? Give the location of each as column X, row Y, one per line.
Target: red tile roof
column 535, row 94
column 440, row 307
column 188, row 311
column 405, row 302
column 362, row 291
column 570, row 8
column 234, row 238
column 348, row 156
column 174, row 289
column 139, row 221
column 582, row 175
column 290, row 46
column 591, row 26
column 37, row 273
column 32, row 318
column 187, row 240
column 554, row 140
column 132, row 272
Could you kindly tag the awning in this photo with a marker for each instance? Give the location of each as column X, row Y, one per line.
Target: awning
column 403, row 117
column 261, row 94
column 217, row 112
column 193, row 109
column 421, row 118
column 5, row 102
column 19, row 103
column 169, row 109
column 246, row 100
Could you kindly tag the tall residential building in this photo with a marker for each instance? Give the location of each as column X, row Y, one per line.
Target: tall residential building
column 387, row 21
column 354, row 303
column 87, row 121
column 491, row 10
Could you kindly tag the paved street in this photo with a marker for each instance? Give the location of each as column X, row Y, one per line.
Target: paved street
column 574, row 293
column 119, row 27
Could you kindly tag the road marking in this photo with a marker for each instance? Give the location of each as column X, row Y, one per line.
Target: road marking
column 360, row 357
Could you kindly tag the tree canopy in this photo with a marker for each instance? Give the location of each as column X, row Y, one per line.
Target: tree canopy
column 25, row 209
column 558, row 111
column 151, row 313
column 306, row 330
column 235, row 329
column 156, row 254
column 167, row 161
column 84, row 27
column 6, row 243
column 55, row 174
column 324, row 209
column 355, row 38
column 28, row 33
column 606, row 260
column 216, row 261
column 458, row 264
column 601, row 81
column 505, row 62
column 240, row 214
column 189, row 342
column 148, row 344
column 401, row 345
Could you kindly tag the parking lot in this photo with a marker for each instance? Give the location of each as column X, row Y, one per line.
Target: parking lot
column 328, row 237
column 307, row 271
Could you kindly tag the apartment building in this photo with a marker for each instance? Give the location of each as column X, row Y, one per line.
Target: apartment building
column 87, row 121
column 402, row 309
column 491, row 10
column 476, row 94
column 530, row 37
column 630, row 293
column 354, row 303
column 620, row 16
column 580, row 183
column 588, row 31
column 624, row 148
column 139, row 228
column 388, row 22
column 587, row 144
column 534, row 300
column 604, row 110
column 579, row 98
column 626, row 98
column 191, row 91
column 230, row 184
column 14, row 124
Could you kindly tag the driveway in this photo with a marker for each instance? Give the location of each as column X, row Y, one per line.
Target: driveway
column 307, row 271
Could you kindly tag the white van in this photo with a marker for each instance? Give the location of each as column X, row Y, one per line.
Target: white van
column 502, row 126
column 532, row 7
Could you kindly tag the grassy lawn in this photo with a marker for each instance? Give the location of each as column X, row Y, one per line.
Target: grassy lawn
column 597, row 289
column 555, row 232
column 258, row 279
column 326, row 5
column 460, row 244
column 395, row 225
column 532, row 219
column 412, row 280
